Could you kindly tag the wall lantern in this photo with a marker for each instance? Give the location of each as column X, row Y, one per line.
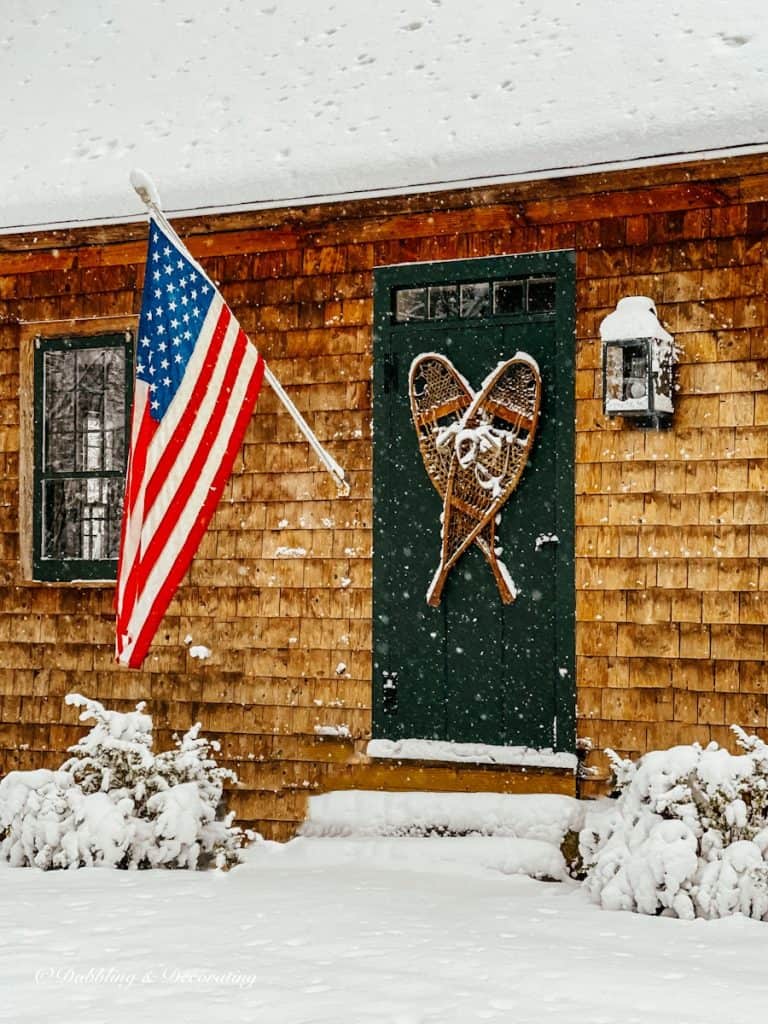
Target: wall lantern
column 638, row 361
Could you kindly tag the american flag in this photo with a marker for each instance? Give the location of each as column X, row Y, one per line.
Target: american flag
column 197, row 381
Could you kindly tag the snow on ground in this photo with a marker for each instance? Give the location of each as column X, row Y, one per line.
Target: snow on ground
column 323, row 931
column 272, row 102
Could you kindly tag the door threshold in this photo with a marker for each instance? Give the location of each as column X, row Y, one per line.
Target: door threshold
column 410, row 775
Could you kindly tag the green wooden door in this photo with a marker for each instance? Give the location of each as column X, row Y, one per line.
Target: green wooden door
column 472, row 669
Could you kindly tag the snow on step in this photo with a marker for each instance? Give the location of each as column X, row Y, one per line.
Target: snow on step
column 465, row 855
column 544, row 817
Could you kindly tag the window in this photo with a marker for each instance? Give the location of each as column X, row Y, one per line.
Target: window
column 520, row 296
column 81, row 406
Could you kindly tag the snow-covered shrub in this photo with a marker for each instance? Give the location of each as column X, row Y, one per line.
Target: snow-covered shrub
column 688, row 835
column 116, row 803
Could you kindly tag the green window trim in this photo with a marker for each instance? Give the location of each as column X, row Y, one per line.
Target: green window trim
column 82, row 401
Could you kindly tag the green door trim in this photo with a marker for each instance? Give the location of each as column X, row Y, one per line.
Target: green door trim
column 561, row 266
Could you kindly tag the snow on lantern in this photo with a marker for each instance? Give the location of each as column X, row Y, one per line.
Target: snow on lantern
column 638, row 361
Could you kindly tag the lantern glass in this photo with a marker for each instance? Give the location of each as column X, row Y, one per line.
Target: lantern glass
column 627, row 377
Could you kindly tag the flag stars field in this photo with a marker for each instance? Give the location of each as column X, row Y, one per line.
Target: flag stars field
column 174, row 277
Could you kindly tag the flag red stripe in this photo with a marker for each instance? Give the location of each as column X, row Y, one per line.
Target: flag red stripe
column 175, row 443
column 152, row 551
column 184, row 558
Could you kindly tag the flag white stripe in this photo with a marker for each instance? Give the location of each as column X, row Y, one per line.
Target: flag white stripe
column 155, row 515
column 178, row 537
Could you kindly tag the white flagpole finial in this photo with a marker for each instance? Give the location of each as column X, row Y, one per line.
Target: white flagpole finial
column 146, row 189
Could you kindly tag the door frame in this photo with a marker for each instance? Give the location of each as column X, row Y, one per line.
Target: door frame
column 560, row 264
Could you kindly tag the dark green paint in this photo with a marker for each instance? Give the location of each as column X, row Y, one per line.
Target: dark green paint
column 474, row 670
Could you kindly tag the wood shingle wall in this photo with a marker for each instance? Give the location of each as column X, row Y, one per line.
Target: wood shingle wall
column 672, row 527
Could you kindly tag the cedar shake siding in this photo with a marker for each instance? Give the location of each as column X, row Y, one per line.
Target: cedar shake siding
column 671, row 527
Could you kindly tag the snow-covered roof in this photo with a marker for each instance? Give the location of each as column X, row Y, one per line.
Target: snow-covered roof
column 240, row 103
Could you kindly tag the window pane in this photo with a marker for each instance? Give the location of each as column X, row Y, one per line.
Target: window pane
column 410, row 304
column 59, row 411
column 81, row 518
column 443, row 302
column 508, row 297
column 541, row 295
column 84, row 410
column 475, row 299
column 100, row 409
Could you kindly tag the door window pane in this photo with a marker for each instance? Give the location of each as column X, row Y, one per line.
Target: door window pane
column 508, row 297
column 475, row 299
column 410, row 304
column 541, row 295
column 443, row 302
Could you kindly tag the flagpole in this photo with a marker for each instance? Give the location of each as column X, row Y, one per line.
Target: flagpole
column 147, row 192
